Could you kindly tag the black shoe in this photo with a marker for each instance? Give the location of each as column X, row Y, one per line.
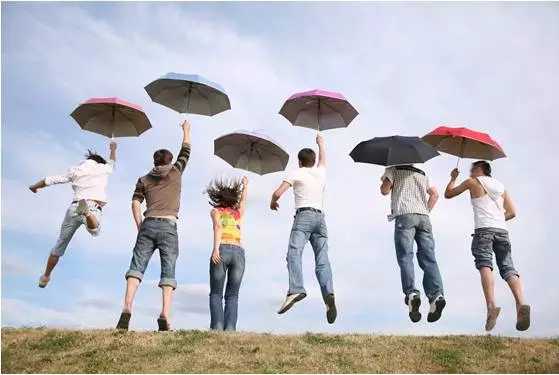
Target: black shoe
column 163, row 324
column 331, row 312
column 413, row 302
column 436, row 309
column 124, row 321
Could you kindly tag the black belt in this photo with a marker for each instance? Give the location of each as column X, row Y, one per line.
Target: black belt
column 97, row 204
column 160, row 219
column 307, row 209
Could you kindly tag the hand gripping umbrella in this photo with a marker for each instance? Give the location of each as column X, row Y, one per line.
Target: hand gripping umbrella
column 251, row 151
column 464, row 143
column 395, row 150
column 318, row 109
column 189, row 93
column 111, row 117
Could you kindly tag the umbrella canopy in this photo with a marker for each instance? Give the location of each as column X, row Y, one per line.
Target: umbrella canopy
column 318, row 109
column 464, row 143
column 189, row 93
column 395, row 150
column 111, row 117
column 251, row 151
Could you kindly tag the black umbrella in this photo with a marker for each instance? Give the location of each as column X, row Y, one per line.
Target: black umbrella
column 395, row 150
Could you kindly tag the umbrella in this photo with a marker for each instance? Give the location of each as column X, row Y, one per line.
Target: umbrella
column 112, row 117
column 395, row 150
column 251, row 151
column 464, row 143
column 318, row 109
column 189, row 93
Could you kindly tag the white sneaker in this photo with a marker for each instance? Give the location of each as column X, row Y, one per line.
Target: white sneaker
column 83, row 208
column 290, row 300
column 43, row 281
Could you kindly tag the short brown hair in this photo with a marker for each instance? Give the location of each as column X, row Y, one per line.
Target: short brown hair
column 485, row 167
column 162, row 157
column 307, row 157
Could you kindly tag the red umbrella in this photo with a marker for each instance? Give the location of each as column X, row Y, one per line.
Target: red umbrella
column 464, row 143
column 111, row 117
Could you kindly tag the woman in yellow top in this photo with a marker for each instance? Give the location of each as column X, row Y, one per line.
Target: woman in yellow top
column 228, row 198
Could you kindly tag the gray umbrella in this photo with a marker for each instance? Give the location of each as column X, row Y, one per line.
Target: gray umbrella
column 251, row 151
column 189, row 93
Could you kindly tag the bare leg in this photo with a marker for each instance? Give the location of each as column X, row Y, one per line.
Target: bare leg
column 167, row 294
column 91, row 221
column 132, row 284
column 51, row 263
column 516, row 289
column 488, row 284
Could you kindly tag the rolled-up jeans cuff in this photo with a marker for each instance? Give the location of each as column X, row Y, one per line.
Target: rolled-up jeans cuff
column 135, row 274
column 296, row 291
column 510, row 274
column 168, row 282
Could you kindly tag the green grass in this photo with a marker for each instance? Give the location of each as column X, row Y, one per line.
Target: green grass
column 109, row 351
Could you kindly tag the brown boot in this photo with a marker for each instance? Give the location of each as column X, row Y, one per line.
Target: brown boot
column 523, row 318
column 492, row 315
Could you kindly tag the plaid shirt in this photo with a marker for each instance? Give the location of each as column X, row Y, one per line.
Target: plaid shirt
column 409, row 190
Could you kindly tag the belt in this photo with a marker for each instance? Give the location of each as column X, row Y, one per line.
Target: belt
column 96, row 204
column 160, row 219
column 307, row 209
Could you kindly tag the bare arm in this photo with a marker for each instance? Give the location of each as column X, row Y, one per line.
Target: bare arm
column 112, row 154
column 38, row 185
column 321, row 151
column 433, row 197
column 385, row 186
column 137, row 213
column 242, row 203
column 510, row 210
column 452, row 190
column 277, row 195
column 216, row 258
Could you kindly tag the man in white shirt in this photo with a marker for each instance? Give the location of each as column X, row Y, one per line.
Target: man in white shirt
column 89, row 182
column 308, row 184
column 492, row 207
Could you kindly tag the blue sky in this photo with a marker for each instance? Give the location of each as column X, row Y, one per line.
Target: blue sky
column 406, row 68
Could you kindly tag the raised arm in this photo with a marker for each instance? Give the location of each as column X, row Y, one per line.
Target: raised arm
column 112, row 148
column 321, row 150
column 242, row 203
column 184, row 153
column 452, row 190
column 216, row 258
column 277, row 195
column 510, row 210
column 433, row 197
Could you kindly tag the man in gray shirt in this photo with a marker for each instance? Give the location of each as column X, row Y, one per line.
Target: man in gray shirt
column 412, row 199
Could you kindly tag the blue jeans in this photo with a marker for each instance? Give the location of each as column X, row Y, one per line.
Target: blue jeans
column 154, row 234
column 309, row 226
column 410, row 227
column 232, row 265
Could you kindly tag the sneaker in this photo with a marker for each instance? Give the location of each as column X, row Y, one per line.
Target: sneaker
column 413, row 301
column 163, row 324
column 124, row 321
column 492, row 315
column 43, row 281
column 331, row 312
column 83, row 208
column 523, row 318
column 290, row 300
column 436, row 309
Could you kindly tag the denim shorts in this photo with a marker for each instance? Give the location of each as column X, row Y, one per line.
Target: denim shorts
column 72, row 221
column 156, row 233
column 487, row 241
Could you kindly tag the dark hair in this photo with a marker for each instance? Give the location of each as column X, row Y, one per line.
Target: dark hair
column 162, row 157
column 225, row 193
column 485, row 167
column 92, row 155
column 307, row 157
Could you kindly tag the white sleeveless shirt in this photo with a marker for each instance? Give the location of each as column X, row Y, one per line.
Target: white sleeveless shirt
column 488, row 209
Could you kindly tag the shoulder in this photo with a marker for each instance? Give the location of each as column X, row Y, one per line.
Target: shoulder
column 215, row 212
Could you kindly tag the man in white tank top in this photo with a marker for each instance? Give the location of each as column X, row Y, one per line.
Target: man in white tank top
column 492, row 207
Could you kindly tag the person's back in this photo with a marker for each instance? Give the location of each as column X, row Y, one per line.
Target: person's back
column 308, row 186
column 90, row 179
column 409, row 194
column 489, row 207
column 162, row 188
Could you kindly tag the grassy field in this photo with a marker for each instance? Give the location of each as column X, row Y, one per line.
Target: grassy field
column 61, row 351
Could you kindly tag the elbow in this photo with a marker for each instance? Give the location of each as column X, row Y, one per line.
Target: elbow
column 447, row 195
column 384, row 191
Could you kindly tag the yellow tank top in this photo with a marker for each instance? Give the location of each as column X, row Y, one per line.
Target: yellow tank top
column 230, row 225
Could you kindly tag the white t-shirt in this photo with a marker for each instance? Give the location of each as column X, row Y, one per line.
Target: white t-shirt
column 308, row 186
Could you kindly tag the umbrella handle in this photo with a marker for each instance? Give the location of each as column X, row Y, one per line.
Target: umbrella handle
column 458, row 162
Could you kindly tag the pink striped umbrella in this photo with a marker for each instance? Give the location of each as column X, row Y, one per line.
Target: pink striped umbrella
column 318, row 109
column 111, row 117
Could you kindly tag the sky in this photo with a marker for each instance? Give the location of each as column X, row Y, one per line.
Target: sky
column 406, row 68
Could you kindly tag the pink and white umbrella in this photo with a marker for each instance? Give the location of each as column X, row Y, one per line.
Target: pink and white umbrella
column 111, row 117
column 318, row 109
